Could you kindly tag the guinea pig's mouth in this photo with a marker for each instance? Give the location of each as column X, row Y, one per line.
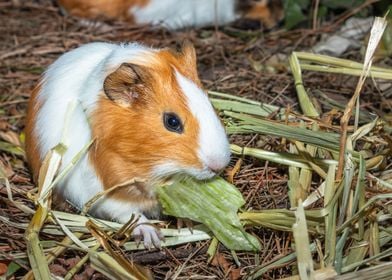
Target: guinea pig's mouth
column 203, row 174
column 166, row 171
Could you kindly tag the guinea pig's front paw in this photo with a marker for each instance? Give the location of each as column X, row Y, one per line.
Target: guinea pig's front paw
column 150, row 235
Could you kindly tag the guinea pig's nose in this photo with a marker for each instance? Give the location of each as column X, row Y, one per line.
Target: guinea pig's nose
column 215, row 166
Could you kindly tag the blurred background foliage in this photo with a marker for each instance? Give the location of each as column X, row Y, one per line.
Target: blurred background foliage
column 301, row 12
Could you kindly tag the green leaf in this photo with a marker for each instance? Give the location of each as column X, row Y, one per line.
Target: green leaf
column 215, row 204
column 12, row 268
column 293, row 13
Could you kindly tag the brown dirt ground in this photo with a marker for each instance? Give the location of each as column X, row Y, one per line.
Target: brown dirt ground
column 231, row 60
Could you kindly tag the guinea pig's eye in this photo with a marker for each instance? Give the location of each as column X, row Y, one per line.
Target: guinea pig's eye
column 173, row 122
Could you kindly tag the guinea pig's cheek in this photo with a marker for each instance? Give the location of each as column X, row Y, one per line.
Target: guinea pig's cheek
column 165, row 169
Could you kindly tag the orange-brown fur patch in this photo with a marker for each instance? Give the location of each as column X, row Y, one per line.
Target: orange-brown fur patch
column 268, row 12
column 93, row 9
column 131, row 141
column 31, row 143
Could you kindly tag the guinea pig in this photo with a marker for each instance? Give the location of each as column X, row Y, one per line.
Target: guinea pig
column 148, row 115
column 174, row 14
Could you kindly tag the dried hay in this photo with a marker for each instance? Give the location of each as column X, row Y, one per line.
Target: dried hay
column 348, row 220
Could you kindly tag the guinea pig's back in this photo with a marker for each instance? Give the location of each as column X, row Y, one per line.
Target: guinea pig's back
column 71, row 78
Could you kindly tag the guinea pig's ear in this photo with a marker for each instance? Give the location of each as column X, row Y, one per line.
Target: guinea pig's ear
column 188, row 61
column 125, row 85
column 188, row 54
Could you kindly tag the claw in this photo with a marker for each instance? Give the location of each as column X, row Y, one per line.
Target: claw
column 151, row 236
column 180, row 223
column 188, row 224
column 138, row 240
column 156, row 240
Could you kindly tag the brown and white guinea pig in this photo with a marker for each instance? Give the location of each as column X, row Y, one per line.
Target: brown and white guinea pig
column 177, row 14
column 148, row 114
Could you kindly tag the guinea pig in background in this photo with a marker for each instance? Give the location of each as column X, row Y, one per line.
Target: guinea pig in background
column 148, row 115
column 177, row 14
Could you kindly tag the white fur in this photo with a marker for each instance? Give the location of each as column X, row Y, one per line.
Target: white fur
column 78, row 76
column 214, row 148
column 176, row 14
column 70, row 78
